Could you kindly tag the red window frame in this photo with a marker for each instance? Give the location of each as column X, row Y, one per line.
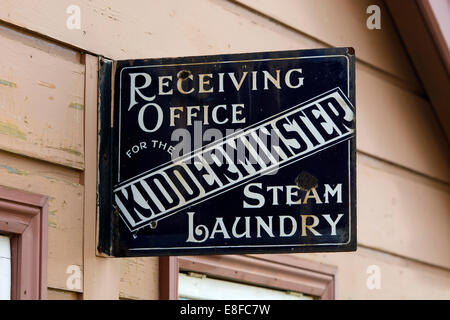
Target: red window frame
column 23, row 217
column 278, row 271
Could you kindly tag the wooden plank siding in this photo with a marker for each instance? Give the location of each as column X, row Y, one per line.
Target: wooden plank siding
column 194, row 25
column 139, row 278
column 329, row 22
column 62, row 295
column 403, row 157
column 399, row 127
column 41, row 138
column 400, row 278
column 431, row 64
column 65, row 212
column 41, row 99
column 402, row 213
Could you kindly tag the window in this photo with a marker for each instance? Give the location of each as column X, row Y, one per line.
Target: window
column 196, row 286
column 23, row 228
column 5, row 268
column 271, row 276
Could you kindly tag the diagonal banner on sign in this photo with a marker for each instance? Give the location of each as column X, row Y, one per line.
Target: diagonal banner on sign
column 294, row 134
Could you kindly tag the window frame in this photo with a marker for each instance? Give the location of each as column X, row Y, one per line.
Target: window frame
column 277, row 271
column 23, row 217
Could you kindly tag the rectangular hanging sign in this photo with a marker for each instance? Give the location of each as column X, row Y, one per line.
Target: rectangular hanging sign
column 227, row 154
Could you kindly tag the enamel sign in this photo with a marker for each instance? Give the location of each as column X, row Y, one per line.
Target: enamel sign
column 225, row 154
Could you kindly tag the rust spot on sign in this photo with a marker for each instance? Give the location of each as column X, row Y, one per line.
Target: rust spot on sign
column 306, row 181
column 184, row 74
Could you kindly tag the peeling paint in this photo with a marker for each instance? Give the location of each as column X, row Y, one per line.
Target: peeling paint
column 8, row 83
column 49, row 178
column 113, row 18
column 14, row 170
column 46, row 84
column 68, row 150
column 71, row 151
column 53, row 212
column 77, row 106
column 52, row 224
column 53, row 179
column 11, row 130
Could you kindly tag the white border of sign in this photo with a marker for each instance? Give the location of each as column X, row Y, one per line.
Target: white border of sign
column 245, row 246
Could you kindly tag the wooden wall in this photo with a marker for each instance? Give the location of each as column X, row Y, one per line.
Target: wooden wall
column 41, row 138
column 403, row 159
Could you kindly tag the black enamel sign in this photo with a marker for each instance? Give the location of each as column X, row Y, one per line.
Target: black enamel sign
column 239, row 153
